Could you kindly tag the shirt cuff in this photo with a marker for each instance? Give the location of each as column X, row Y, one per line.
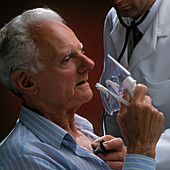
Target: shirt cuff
column 134, row 161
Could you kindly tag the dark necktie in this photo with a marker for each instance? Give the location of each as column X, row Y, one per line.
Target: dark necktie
column 137, row 35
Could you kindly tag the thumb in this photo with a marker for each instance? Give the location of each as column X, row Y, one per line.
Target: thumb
column 127, row 97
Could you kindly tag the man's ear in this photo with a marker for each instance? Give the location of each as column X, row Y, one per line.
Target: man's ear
column 24, row 82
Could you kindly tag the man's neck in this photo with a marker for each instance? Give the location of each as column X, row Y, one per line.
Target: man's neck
column 65, row 120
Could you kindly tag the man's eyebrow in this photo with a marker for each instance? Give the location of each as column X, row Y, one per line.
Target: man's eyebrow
column 70, row 52
column 67, row 54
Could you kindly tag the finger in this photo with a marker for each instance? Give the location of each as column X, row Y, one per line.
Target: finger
column 114, row 144
column 105, row 138
column 126, row 95
column 112, row 156
column 123, row 109
column 148, row 100
column 140, row 92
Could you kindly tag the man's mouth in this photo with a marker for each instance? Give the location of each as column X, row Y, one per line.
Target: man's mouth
column 121, row 7
column 80, row 83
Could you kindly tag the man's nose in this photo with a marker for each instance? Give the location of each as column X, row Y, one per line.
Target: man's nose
column 86, row 64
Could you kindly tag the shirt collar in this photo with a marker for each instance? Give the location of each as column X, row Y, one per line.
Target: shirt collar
column 51, row 133
column 44, row 129
column 148, row 20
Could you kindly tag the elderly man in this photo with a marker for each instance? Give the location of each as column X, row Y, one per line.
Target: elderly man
column 42, row 62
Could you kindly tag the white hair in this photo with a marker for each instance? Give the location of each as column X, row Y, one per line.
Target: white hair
column 17, row 48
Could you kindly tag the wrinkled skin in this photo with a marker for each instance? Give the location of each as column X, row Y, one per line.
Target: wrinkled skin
column 141, row 124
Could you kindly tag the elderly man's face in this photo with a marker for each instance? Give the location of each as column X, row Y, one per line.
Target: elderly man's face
column 131, row 8
column 63, row 82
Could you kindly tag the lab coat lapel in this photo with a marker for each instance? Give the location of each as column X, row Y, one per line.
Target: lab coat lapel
column 148, row 43
column 118, row 35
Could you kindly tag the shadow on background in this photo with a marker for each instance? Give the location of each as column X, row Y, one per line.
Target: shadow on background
column 86, row 19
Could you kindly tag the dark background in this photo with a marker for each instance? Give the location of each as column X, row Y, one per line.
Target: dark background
column 86, row 19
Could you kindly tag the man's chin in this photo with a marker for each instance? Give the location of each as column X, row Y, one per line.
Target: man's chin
column 88, row 96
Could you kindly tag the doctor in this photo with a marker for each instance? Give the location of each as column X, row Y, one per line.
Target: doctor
column 148, row 61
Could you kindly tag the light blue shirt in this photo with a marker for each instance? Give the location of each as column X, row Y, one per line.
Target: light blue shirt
column 37, row 143
column 138, row 162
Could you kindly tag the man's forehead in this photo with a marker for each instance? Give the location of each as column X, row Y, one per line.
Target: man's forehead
column 52, row 31
column 55, row 37
column 48, row 27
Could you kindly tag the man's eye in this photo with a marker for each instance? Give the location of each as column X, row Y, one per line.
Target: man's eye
column 66, row 60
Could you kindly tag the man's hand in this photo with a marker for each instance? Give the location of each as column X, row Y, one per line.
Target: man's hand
column 141, row 124
column 114, row 158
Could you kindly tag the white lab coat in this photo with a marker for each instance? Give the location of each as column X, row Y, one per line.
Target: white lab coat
column 163, row 151
column 149, row 63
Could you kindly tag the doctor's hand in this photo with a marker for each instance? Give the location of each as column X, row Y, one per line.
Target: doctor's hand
column 141, row 124
column 116, row 151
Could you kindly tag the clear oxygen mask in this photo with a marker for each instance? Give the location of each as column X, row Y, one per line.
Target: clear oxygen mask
column 115, row 78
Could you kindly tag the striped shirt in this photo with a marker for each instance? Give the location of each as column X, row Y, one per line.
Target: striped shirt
column 138, row 162
column 36, row 143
